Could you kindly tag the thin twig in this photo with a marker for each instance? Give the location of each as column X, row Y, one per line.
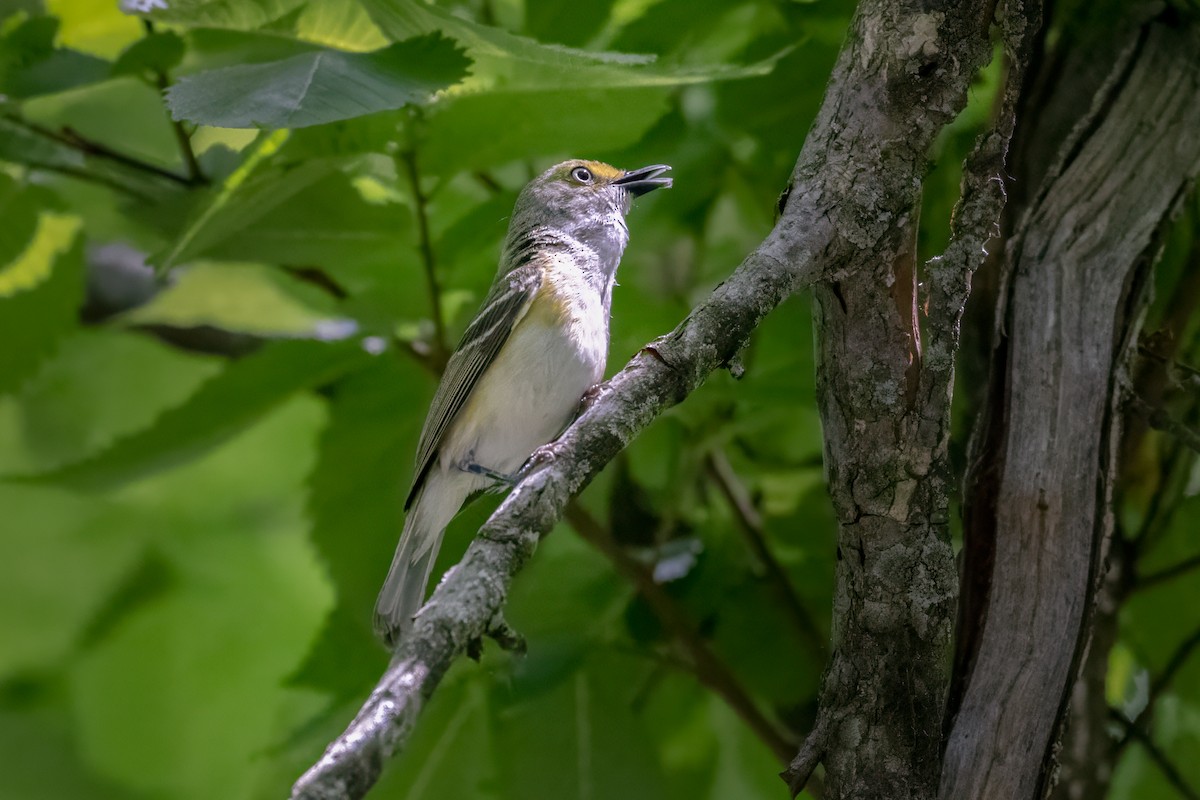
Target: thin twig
column 1160, row 420
column 162, row 81
column 1169, row 770
column 1174, row 664
column 750, row 523
column 709, row 669
column 799, row 773
column 1160, row 685
column 196, row 175
column 81, row 174
column 78, row 141
column 488, row 182
column 421, row 209
column 1166, row 574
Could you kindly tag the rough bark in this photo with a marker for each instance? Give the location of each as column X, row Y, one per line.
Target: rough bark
column 885, row 404
column 1047, row 463
column 901, row 77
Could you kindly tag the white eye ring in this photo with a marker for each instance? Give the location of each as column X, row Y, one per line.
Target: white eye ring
column 582, row 174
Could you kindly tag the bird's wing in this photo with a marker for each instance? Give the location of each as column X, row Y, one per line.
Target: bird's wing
column 503, row 308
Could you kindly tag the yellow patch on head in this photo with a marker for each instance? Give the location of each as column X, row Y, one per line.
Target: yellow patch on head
column 604, row 171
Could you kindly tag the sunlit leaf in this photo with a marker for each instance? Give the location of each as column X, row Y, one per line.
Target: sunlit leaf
column 209, row 224
column 221, row 408
column 249, row 298
column 40, row 294
column 31, row 65
column 335, row 23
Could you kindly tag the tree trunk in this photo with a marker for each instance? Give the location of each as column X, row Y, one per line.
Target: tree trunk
column 1045, row 463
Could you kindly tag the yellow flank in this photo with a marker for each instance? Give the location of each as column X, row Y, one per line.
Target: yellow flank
column 549, row 307
column 604, row 171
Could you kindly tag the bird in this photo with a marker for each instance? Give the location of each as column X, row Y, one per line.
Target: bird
column 537, row 345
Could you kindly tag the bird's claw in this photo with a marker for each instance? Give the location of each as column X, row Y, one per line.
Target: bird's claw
column 592, row 395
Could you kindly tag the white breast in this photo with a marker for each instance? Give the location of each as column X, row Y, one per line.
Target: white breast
column 532, row 390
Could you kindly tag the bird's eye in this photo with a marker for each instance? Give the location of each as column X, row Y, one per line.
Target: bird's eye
column 582, row 174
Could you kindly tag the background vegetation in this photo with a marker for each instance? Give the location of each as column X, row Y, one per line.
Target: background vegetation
column 218, row 343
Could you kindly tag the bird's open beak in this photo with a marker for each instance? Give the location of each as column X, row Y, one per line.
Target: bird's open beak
column 639, row 181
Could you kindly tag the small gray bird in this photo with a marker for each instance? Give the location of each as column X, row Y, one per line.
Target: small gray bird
column 514, row 382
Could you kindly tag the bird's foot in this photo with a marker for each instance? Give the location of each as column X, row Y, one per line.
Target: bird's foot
column 592, row 395
column 546, row 454
column 504, row 635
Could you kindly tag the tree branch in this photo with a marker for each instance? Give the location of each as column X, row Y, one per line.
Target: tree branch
column 705, row 665
column 1160, row 420
column 1169, row 770
column 1174, row 571
column 162, row 82
column 750, row 523
column 885, row 406
column 77, row 141
column 701, row 662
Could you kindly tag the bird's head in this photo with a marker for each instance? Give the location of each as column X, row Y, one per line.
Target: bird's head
column 590, row 189
column 586, row 203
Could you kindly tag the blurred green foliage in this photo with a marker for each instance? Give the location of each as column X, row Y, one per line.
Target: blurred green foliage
column 212, row 382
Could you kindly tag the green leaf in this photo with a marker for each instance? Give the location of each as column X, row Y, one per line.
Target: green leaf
column 249, row 298
column 567, row 23
column 537, row 124
column 505, row 61
column 53, row 235
column 246, row 597
column 30, row 64
column 40, row 294
column 79, row 402
column 221, row 215
column 48, row 532
column 38, row 755
column 327, row 223
column 501, row 51
column 125, row 114
column 158, row 52
column 318, row 87
column 358, row 487
column 20, row 145
column 20, row 217
column 222, row 407
column 336, row 23
column 584, row 723
column 211, row 48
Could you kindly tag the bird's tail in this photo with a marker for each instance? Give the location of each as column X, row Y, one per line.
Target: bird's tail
column 404, row 588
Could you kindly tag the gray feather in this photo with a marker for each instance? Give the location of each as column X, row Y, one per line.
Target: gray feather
column 404, row 589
